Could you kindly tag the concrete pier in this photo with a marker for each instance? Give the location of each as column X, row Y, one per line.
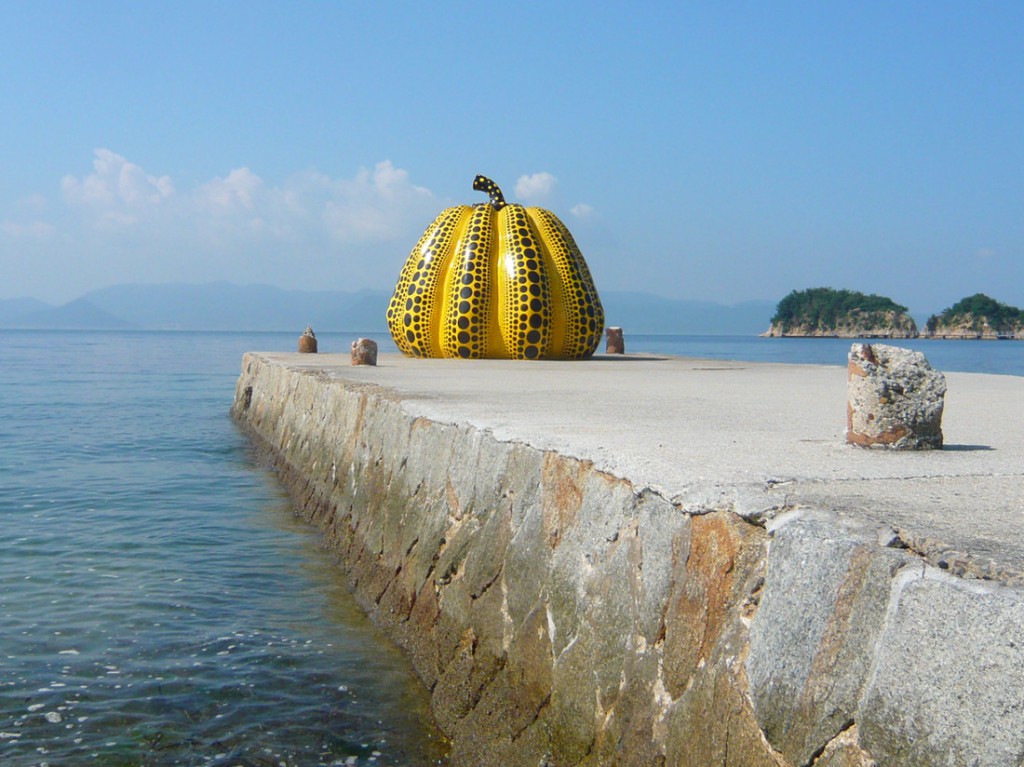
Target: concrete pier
column 636, row 560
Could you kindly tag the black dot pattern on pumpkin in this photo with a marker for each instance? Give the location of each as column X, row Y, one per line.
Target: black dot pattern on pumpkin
column 525, row 318
column 416, row 303
column 464, row 329
column 572, row 288
column 496, row 280
column 484, row 184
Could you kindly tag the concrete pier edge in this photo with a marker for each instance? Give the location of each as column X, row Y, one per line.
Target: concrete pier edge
column 568, row 606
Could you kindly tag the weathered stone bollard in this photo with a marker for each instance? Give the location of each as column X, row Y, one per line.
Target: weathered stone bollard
column 364, row 352
column 307, row 341
column 894, row 399
column 616, row 343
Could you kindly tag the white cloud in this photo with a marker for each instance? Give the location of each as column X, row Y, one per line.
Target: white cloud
column 535, row 187
column 115, row 181
column 582, row 210
column 237, row 190
column 375, row 204
column 393, row 183
column 120, row 223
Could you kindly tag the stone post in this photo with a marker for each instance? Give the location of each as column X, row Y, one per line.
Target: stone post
column 616, row 343
column 364, row 352
column 307, row 341
column 894, row 399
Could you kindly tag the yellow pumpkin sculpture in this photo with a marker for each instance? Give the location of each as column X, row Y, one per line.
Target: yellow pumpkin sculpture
column 496, row 280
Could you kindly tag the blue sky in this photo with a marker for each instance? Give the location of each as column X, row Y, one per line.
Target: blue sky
column 724, row 151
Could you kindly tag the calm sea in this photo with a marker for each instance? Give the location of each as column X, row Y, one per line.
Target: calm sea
column 1003, row 357
column 160, row 604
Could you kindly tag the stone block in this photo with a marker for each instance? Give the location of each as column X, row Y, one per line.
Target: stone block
column 459, row 687
column 626, row 736
column 712, row 724
column 712, row 562
column 307, row 341
column 364, row 352
column 894, row 399
column 659, row 524
column 815, row 633
column 573, row 706
column 530, row 667
column 947, row 686
column 616, row 343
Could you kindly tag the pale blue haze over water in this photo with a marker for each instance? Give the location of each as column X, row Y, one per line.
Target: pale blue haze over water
column 159, row 601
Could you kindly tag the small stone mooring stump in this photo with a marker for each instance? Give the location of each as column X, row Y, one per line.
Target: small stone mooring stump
column 894, row 399
column 364, row 352
column 307, row 341
column 616, row 343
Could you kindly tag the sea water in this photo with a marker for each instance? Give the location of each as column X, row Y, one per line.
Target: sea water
column 160, row 604
column 1001, row 357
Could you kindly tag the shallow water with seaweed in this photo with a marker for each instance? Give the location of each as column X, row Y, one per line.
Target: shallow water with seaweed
column 160, row 604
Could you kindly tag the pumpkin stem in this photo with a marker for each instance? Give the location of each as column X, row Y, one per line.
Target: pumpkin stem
column 484, row 184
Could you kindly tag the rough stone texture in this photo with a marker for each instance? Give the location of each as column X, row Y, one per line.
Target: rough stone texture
column 364, row 352
column 843, row 751
column 555, row 612
column 857, row 324
column 972, row 327
column 895, row 399
column 307, row 341
column 815, row 633
column 564, row 616
column 615, row 344
column 948, row 684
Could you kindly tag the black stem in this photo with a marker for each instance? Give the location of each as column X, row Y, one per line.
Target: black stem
column 484, row 184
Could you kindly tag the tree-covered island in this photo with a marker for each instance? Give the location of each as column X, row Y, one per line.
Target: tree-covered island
column 830, row 313
column 977, row 316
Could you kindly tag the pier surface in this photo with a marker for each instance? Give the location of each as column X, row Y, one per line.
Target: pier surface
column 664, row 561
column 754, row 438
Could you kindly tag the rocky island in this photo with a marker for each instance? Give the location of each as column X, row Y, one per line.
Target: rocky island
column 829, row 313
column 977, row 317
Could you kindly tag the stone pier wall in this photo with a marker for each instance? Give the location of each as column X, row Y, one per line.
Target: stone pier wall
column 563, row 616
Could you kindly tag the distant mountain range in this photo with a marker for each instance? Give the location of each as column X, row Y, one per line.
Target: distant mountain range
column 226, row 306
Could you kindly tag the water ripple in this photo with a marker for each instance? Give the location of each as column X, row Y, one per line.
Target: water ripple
column 159, row 602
